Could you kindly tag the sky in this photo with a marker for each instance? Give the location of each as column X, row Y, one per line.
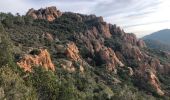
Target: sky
column 141, row 17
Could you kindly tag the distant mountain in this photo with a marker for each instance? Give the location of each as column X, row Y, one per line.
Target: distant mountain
column 162, row 36
column 157, row 45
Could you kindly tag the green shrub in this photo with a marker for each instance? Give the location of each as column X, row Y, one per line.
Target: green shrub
column 45, row 83
column 13, row 86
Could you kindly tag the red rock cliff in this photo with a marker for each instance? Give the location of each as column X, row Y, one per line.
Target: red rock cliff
column 42, row 59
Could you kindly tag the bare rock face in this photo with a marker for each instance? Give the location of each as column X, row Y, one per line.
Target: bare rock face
column 104, row 28
column 110, row 59
column 72, row 52
column 149, row 73
column 141, row 43
column 132, row 39
column 132, row 52
column 41, row 59
column 89, row 39
column 49, row 13
column 153, row 80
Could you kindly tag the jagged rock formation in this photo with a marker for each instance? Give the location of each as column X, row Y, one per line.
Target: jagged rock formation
column 109, row 57
column 49, row 13
column 70, row 51
column 132, row 39
column 41, row 59
column 104, row 28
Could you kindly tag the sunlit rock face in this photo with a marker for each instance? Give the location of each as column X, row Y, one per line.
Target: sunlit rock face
column 42, row 59
column 49, row 13
column 154, row 81
column 74, row 61
column 72, row 52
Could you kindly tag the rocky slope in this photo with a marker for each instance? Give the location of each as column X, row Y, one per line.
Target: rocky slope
column 86, row 48
column 100, row 54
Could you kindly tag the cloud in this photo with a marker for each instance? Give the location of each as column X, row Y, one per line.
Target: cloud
column 133, row 15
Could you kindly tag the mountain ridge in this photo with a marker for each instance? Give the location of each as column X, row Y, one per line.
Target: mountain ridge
column 92, row 59
column 158, row 40
column 161, row 36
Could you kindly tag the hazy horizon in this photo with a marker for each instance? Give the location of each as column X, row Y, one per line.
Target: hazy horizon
column 140, row 17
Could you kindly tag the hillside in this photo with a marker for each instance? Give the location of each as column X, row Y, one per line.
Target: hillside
column 157, row 45
column 55, row 55
column 161, row 36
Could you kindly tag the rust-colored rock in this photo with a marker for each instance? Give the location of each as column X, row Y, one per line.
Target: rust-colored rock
column 50, row 13
column 132, row 52
column 42, row 59
column 110, row 58
column 72, row 52
column 48, row 36
column 67, row 65
column 153, row 80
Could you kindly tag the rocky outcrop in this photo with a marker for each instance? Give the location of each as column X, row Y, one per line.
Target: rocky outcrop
column 41, row 58
column 72, row 52
column 91, row 40
column 99, row 54
column 116, row 31
column 132, row 39
column 154, row 82
column 48, row 36
column 74, row 62
column 141, row 43
column 49, row 13
column 131, row 51
column 92, row 18
column 110, row 59
column 104, row 28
